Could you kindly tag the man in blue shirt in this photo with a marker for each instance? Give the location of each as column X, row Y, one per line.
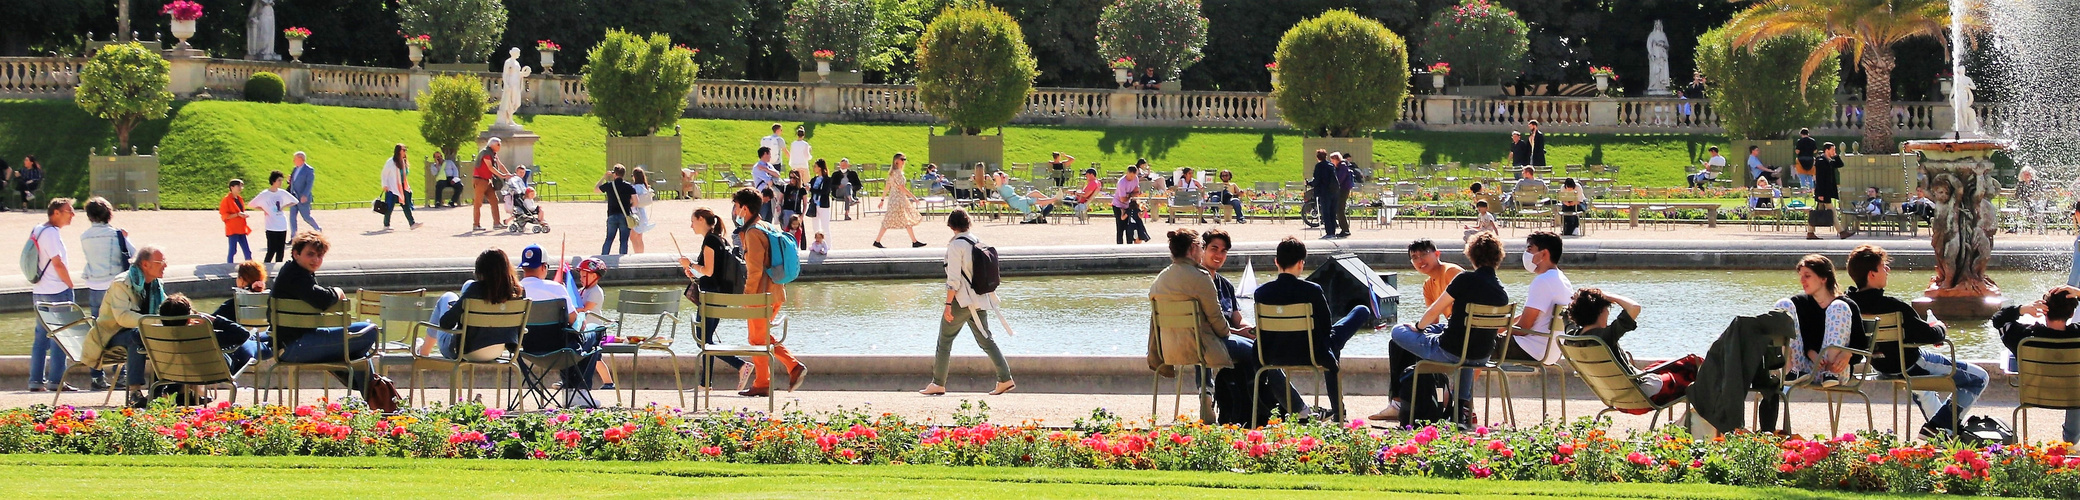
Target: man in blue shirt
column 1756, row 168
column 1328, row 338
column 301, row 179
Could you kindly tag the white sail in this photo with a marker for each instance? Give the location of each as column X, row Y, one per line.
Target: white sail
column 1248, row 289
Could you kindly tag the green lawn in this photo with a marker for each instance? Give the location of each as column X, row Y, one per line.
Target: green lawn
column 53, row 476
column 205, row 143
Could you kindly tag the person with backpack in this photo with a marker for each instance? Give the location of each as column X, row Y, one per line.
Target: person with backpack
column 770, row 262
column 1823, row 318
column 108, row 252
column 43, row 261
column 714, row 270
column 971, row 293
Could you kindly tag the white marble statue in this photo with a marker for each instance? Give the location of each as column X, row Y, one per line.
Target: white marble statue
column 1967, row 124
column 512, row 90
column 1657, row 61
column 260, row 32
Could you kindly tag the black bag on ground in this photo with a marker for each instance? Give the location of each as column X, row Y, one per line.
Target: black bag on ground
column 1820, row 218
column 1426, row 405
column 1981, row 430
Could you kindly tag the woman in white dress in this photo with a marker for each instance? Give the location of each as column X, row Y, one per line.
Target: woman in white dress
column 644, row 198
column 900, row 210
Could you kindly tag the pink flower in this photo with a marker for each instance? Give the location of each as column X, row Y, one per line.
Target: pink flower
column 1479, row 471
column 494, row 413
column 1256, row 436
column 540, row 455
column 848, row 454
column 1425, row 436
column 1565, row 449
column 1952, row 470
column 713, row 451
column 1638, row 458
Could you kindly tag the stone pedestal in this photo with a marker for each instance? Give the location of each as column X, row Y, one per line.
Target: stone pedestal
column 417, row 82
column 1604, row 113
column 187, row 72
column 1437, row 110
column 297, row 83
column 517, row 148
column 1121, row 105
column 823, row 98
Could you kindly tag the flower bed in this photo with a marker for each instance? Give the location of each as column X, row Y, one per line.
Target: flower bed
column 1581, row 451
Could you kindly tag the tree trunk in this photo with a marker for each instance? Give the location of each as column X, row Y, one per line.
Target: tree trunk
column 1878, row 122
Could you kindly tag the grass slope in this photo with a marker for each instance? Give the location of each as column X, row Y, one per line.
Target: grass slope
column 205, row 143
column 46, row 476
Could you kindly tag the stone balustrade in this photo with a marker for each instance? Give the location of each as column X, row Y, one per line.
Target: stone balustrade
column 53, row 78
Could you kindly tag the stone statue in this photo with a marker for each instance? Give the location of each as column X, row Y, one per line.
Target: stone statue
column 1657, row 61
column 260, row 32
column 512, row 91
column 1967, row 119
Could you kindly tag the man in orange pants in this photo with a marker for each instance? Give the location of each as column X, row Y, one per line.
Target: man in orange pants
column 758, row 256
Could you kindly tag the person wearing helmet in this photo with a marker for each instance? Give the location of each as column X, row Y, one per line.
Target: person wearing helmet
column 591, row 299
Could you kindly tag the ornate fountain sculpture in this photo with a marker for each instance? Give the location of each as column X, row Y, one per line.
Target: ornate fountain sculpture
column 1958, row 174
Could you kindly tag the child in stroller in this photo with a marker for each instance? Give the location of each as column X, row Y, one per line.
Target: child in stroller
column 525, row 205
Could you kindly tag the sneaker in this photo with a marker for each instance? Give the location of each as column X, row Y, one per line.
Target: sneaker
column 877, row 244
column 606, row 386
column 916, row 244
column 99, row 382
column 37, row 388
column 1796, row 378
column 137, row 399
column 1830, row 380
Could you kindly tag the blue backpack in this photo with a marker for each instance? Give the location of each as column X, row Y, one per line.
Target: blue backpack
column 786, row 263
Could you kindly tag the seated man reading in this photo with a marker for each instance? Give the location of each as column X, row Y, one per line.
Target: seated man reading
column 1871, row 268
column 1329, row 336
column 1665, row 381
column 2047, row 318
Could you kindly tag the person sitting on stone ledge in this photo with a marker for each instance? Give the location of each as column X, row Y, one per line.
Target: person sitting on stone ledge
column 2052, row 315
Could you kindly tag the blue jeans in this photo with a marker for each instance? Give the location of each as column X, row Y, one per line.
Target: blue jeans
column 1426, row 344
column 392, row 199
column 1971, row 381
column 93, row 305
column 1331, row 208
column 133, row 364
column 303, row 211
column 46, row 361
column 237, row 244
column 617, row 229
column 1804, row 181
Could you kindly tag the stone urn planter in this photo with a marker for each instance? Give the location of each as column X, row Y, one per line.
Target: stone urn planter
column 823, row 70
column 1120, row 75
column 1603, row 84
column 548, row 60
column 1437, row 82
column 416, row 54
column 1945, row 85
column 182, row 30
column 296, row 49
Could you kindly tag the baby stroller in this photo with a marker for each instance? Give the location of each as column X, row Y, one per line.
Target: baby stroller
column 520, row 200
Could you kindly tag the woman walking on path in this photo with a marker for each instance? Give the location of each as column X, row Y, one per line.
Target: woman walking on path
column 900, row 212
column 715, row 270
column 397, row 190
column 965, row 307
column 640, row 207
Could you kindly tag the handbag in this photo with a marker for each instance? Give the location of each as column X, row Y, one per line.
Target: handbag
column 381, row 205
column 1821, row 218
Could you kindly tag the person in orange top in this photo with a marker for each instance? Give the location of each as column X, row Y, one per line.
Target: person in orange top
column 233, row 211
column 758, row 255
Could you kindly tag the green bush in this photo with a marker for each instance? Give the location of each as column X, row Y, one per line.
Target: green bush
column 1167, row 35
column 974, row 69
column 1755, row 89
column 265, row 87
column 848, row 28
column 463, row 31
column 1484, row 42
column 638, row 84
column 126, row 85
column 1341, row 75
column 449, row 110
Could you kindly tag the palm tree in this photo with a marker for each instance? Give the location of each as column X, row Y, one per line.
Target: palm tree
column 1865, row 29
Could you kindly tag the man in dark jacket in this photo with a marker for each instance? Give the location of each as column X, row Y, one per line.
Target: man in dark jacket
column 297, row 280
column 1871, row 268
column 2055, row 310
column 1326, row 190
column 1537, row 145
column 1329, row 334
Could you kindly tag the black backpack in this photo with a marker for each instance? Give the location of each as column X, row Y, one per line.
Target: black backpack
column 986, row 274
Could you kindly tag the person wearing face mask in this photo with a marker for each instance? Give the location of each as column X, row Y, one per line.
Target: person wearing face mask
column 1550, row 292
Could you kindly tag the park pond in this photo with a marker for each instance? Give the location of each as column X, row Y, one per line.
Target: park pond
column 1108, row 314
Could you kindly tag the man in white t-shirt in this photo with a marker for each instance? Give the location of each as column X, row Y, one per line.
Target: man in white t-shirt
column 1712, row 166
column 47, row 361
column 538, row 288
column 798, row 156
column 1550, row 293
column 774, row 143
column 279, row 206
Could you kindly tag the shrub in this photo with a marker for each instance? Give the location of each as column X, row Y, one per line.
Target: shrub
column 464, row 31
column 638, row 84
column 1756, row 89
column 265, row 87
column 1167, row 35
column 449, row 110
column 973, row 68
column 1341, row 75
column 847, row 28
column 126, row 85
column 1480, row 39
